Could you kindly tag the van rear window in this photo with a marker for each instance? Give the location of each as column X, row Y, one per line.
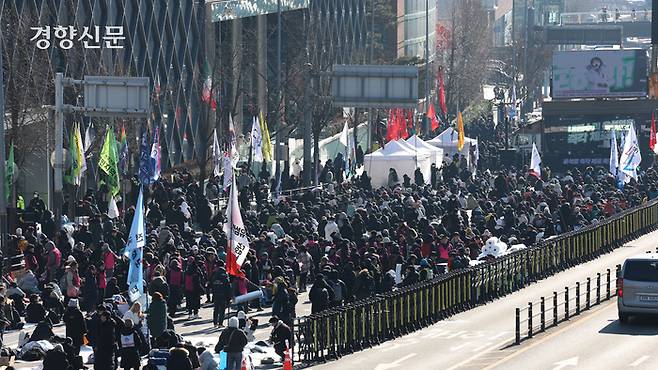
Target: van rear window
column 641, row 271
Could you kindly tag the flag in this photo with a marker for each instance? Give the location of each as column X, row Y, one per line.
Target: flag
column 621, row 176
column 460, row 131
column 206, row 94
column 134, row 251
column 652, row 137
column 266, row 143
column 391, row 133
column 144, row 159
column 256, row 141
column 442, row 93
column 233, row 142
column 9, row 171
column 512, row 109
column 630, row 156
column 80, row 160
column 345, row 140
column 155, row 157
column 216, row 154
column 344, row 135
column 535, row 162
column 70, row 175
column 431, row 115
column 108, row 161
column 123, row 151
column 238, row 244
column 228, row 169
column 112, row 209
column 90, row 136
column 614, row 154
column 410, row 127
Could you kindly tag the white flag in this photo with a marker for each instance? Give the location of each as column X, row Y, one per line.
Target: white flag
column 216, row 154
column 535, row 162
column 228, row 169
column 344, row 136
column 238, row 244
column 135, row 250
column 233, row 142
column 112, row 209
column 90, row 135
column 614, row 153
column 256, row 141
column 630, row 155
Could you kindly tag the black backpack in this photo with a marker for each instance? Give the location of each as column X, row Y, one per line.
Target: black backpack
column 338, row 290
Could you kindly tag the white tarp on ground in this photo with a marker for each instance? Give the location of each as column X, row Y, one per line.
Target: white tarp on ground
column 447, row 140
column 401, row 158
column 420, row 144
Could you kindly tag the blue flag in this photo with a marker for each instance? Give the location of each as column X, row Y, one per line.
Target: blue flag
column 135, row 250
column 145, row 168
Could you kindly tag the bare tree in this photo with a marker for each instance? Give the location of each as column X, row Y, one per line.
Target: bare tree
column 468, row 53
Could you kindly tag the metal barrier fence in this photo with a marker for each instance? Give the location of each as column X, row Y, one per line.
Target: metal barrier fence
column 546, row 313
column 342, row 330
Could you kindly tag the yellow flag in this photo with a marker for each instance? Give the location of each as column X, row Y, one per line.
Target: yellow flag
column 460, row 131
column 267, row 144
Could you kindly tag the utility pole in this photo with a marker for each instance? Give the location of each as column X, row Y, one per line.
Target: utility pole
column 59, row 144
column 371, row 119
column 3, row 203
column 277, row 126
column 309, row 169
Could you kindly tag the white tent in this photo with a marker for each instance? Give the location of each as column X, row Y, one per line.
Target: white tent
column 419, row 144
column 400, row 157
column 447, row 140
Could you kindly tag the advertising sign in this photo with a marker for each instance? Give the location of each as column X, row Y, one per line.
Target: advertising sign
column 599, row 74
column 226, row 10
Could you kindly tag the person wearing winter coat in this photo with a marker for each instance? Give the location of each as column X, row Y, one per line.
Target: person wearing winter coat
column 90, row 289
column 56, row 359
column 320, row 294
column 76, row 327
column 232, row 341
column 53, row 261
column 193, row 288
column 29, row 283
column 157, row 316
column 106, row 345
column 129, row 345
column 175, row 280
column 35, row 312
column 221, row 292
column 179, row 359
column 207, row 361
column 281, row 336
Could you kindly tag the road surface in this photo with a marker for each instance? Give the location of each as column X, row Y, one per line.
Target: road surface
column 482, row 336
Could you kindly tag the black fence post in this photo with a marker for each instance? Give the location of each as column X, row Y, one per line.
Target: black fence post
column 543, row 314
column 529, row 319
column 518, row 326
column 555, row 312
column 589, row 287
column 607, row 288
column 598, row 287
column 566, row 303
column 578, row 298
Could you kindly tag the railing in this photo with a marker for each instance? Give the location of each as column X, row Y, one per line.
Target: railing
column 549, row 312
column 353, row 327
column 609, row 17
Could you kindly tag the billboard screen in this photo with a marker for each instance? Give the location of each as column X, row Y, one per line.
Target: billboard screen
column 226, row 10
column 599, row 74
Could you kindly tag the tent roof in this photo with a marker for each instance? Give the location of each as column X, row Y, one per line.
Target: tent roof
column 449, row 136
column 419, row 143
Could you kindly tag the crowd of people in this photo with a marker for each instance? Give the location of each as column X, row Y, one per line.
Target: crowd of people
column 342, row 239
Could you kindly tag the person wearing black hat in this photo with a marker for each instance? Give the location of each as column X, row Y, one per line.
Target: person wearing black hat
column 281, row 336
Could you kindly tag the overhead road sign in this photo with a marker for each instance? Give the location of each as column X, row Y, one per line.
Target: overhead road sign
column 374, row 86
column 109, row 96
column 583, row 35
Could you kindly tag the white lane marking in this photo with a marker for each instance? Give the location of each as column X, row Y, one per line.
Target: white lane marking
column 639, row 361
column 480, row 348
column 460, row 346
column 394, row 364
column 487, row 350
column 566, row 363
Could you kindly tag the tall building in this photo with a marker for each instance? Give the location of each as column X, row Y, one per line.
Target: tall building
column 412, row 16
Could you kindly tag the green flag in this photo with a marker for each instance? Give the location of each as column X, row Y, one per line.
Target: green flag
column 9, row 171
column 71, row 174
column 109, row 160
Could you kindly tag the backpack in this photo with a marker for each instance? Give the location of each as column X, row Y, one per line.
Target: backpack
column 338, row 291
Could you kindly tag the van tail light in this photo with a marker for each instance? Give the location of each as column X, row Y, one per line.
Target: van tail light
column 620, row 288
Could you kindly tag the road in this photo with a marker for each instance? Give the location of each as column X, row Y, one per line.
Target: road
column 482, row 336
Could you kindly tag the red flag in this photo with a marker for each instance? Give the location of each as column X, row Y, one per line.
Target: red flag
column 391, row 126
column 652, row 137
column 442, row 93
column 431, row 114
